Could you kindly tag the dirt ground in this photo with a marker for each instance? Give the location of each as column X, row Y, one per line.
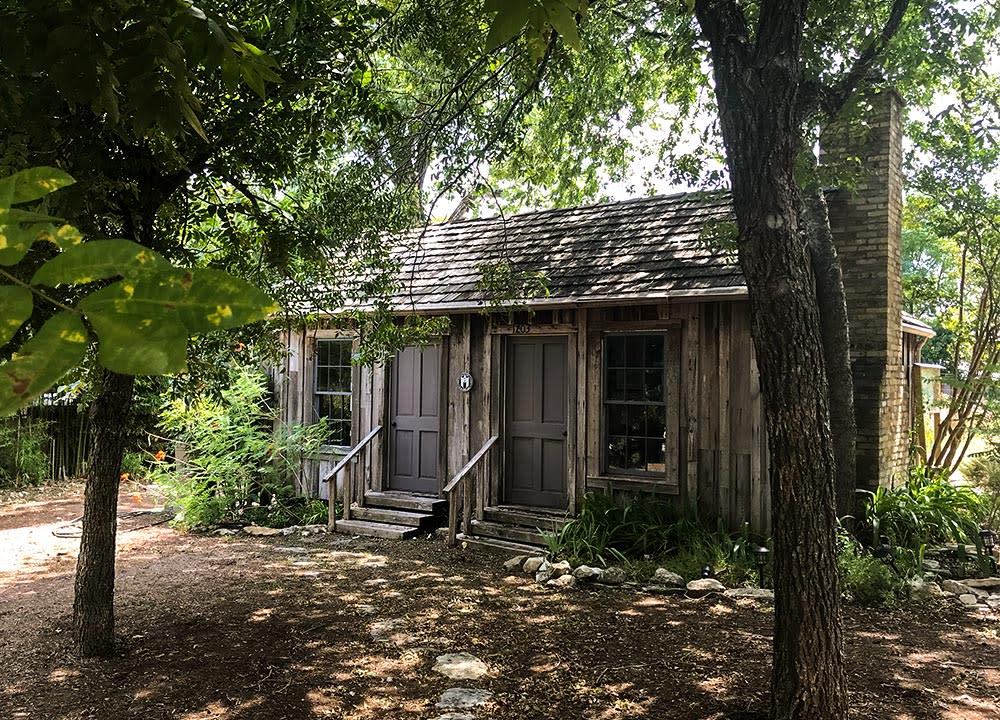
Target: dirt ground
column 333, row 627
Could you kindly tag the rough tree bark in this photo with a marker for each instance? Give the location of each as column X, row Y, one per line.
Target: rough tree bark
column 757, row 89
column 832, row 303
column 93, row 604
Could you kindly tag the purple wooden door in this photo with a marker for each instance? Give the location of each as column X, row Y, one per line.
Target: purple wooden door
column 414, row 425
column 536, row 422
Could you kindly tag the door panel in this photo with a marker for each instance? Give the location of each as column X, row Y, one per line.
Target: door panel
column 414, row 424
column 536, row 422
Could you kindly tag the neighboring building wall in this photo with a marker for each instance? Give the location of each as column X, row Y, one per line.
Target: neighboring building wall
column 866, row 223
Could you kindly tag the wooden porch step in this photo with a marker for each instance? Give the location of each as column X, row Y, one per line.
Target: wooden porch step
column 508, row 533
column 423, row 521
column 514, row 547
column 405, row 501
column 549, row 522
column 376, row 529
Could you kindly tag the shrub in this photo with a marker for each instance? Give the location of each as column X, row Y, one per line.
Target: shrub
column 927, row 510
column 23, row 451
column 236, row 468
column 641, row 529
column 869, row 580
column 983, row 471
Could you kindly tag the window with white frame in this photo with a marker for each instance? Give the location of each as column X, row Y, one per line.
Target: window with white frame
column 635, row 407
column 332, row 389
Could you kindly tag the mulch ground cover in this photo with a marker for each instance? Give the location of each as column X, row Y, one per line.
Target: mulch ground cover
column 338, row 627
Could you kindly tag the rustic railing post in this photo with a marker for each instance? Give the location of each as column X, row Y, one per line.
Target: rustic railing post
column 348, row 490
column 331, row 498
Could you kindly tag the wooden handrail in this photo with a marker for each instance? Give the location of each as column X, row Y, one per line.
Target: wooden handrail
column 332, row 478
column 471, row 464
column 465, row 479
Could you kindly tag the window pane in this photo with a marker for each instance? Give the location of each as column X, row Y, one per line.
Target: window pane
column 654, row 351
column 654, row 456
column 636, row 454
column 616, row 385
column 653, row 385
column 615, row 352
column 655, row 421
column 333, row 375
column 636, row 420
column 616, row 419
column 634, row 350
column 634, row 385
column 616, row 452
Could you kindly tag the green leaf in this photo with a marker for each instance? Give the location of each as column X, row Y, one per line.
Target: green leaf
column 98, row 260
column 16, row 239
column 132, row 345
column 16, row 305
column 56, row 348
column 37, row 182
column 143, row 323
column 563, row 20
column 510, row 20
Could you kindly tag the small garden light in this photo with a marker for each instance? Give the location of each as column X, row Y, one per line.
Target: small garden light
column 760, row 557
column 989, row 539
column 707, row 571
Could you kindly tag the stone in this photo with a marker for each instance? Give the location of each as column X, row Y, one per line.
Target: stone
column 921, row 590
column 544, row 573
column 460, row 666
column 532, row 564
column 463, row 698
column 585, row 572
column 365, row 609
column 225, row 531
column 662, row 576
column 561, row 568
column 704, row 586
column 612, row 576
column 953, row 586
column 748, row 592
column 515, row 562
column 455, row 716
column 563, row 581
column 968, row 599
column 259, row 531
column 990, row 583
column 932, row 565
column 993, row 602
column 386, row 630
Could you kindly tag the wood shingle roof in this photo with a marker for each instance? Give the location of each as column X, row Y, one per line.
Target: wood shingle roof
column 633, row 250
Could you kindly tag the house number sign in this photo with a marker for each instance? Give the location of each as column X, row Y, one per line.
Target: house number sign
column 465, row 382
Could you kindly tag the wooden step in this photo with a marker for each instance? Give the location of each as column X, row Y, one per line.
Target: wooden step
column 509, row 533
column 514, row 547
column 549, row 522
column 424, row 521
column 376, row 529
column 405, row 501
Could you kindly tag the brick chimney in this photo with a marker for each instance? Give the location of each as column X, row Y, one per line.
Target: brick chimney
column 866, row 223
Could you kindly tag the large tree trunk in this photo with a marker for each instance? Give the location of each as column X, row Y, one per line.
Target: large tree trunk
column 93, row 603
column 832, row 302
column 757, row 85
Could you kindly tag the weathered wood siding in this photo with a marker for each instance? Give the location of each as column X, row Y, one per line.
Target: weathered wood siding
column 716, row 456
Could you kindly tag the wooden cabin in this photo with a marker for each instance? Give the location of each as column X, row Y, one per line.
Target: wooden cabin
column 634, row 373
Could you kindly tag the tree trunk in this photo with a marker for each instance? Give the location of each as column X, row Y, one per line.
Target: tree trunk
column 757, row 89
column 832, row 302
column 93, row 603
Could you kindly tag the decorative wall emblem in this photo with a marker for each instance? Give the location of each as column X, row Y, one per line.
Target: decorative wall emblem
column 465, row 382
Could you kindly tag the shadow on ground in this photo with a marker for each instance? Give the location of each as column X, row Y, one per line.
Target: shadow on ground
column 247, row 628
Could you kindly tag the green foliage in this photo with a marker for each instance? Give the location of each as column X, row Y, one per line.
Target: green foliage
column 24, row 447
column 983, row 472
column 927, row 510
column 235, row 467
column 645, row 533
column 868, row 580
column 507, row 289
column 142, row 322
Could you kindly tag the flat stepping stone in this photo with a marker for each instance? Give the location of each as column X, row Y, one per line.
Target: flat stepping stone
column 460, row 666
column 455, row 716
column 389, row 631
column 463, row 698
